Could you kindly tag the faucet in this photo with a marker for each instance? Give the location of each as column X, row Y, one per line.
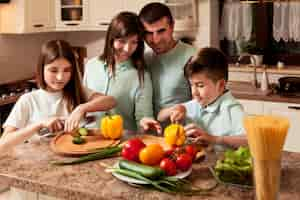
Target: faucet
column 253, row 60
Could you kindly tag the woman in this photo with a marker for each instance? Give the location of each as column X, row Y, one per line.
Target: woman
column 120, row 71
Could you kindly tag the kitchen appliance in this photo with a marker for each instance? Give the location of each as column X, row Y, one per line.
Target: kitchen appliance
column 289, row 86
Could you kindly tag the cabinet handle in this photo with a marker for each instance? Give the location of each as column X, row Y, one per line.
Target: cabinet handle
column 38, row 25
column 72, row 24
column 294, row 107
column 104, row 24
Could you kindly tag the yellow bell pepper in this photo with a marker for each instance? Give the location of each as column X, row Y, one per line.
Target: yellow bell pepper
column 174, row 135
column 112, row 126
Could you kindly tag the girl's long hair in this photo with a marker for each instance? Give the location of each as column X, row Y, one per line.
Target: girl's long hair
column 123, row 25
column 73, row 92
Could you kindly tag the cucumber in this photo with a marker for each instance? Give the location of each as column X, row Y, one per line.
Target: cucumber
column 83, row 131
column 144, row 170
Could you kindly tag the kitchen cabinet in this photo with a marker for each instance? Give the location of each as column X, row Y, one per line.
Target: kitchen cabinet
column 292, row 112
column 20, row 16
column 289, row 110
column 100, row 13
column 252, row 107
column 72, row 15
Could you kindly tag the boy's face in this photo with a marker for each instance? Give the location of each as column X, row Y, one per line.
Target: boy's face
column 205, row 90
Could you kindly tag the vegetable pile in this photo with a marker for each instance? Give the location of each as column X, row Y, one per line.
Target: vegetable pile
column 156, row 178
column 236, row 167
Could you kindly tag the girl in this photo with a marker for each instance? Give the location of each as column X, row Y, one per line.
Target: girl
column 120, row 70
column 60, row 103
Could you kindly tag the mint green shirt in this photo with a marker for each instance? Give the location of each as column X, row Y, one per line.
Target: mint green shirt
column 133, row 102
column 224, row 117
column 167, row 73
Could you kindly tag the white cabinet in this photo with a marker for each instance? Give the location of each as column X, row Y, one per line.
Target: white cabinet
column 292, row 112
column 101, row 13
column 71, row 14
column 20, row 16
column 252, row 107
column 137, row 5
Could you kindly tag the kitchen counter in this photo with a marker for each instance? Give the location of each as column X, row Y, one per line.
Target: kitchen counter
column 244, row 90
column 286, row 70
column 28, row 167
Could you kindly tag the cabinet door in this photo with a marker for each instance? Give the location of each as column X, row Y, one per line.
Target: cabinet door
column 39, row 15
column 72, row 14
column 292, row 112
column 28, row 16
column 137, row 5
column 101, row 12
column 252, row 107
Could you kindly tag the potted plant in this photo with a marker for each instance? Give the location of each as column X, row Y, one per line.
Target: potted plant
column 254, row 50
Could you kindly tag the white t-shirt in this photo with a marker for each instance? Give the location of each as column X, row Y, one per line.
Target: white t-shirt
column 36, row 106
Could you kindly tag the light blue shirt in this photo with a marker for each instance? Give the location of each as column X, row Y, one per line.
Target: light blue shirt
column 224, row 117
column 133, row 101
column 167, row 73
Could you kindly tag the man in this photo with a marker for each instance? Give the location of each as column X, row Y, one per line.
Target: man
column 167, row 58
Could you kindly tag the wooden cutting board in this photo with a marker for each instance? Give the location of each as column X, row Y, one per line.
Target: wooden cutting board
column 62, row 144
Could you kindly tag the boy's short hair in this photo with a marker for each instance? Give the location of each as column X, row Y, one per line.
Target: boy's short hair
column 210, row 61
column 153, row 12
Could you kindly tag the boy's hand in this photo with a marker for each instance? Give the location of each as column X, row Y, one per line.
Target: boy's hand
column 178, row 113
column 192, row 130
column 150, row 124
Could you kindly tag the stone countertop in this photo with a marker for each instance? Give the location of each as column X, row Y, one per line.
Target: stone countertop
column 244, row 90
column 28, row 167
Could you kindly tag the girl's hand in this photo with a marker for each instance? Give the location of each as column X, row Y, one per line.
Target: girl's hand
column 54, row 124
column 201, row 136
column 178, row 113
column 150, row 124
column 74, row 119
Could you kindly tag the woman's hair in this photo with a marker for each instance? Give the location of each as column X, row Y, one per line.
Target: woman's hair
column 125, row 24
column 209, row 61
column 73, row 92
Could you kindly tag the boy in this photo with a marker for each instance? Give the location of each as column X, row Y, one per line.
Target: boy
column 216, row 116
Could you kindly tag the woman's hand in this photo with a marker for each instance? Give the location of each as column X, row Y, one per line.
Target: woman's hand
column 177, row 113
column 73, row 121
column 192, row 130
column 54, row 124
column 150, row 124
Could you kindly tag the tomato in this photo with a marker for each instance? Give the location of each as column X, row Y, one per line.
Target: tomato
column 132, row 149
column 152, row 154
column 126, row 154
column 168, row 152
column 183, row 161
column 168, row 166
column 191, row 150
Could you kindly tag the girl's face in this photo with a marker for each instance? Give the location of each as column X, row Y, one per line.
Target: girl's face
column 125, row 47
column 205, row 90
column 57, row 74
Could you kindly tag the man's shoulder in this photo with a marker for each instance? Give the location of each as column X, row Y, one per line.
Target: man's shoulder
column 189, row 49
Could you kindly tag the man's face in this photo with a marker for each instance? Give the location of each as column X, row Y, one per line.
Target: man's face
column 159, row 35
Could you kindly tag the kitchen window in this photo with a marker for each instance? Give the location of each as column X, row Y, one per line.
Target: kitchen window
column 261, row 38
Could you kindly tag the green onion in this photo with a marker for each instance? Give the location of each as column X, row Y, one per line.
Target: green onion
column 101, row 154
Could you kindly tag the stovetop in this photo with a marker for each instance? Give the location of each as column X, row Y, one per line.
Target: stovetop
column 9, row 93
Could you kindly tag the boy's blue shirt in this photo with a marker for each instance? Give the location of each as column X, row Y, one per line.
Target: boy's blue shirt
column 224, row 117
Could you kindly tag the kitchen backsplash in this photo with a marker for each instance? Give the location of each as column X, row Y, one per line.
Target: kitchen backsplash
column 19, row 53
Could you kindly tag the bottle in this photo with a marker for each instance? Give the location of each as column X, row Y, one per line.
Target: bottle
column 264, row 86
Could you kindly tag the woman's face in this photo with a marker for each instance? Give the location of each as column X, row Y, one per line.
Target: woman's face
column 125, row 47
column 57, row 74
